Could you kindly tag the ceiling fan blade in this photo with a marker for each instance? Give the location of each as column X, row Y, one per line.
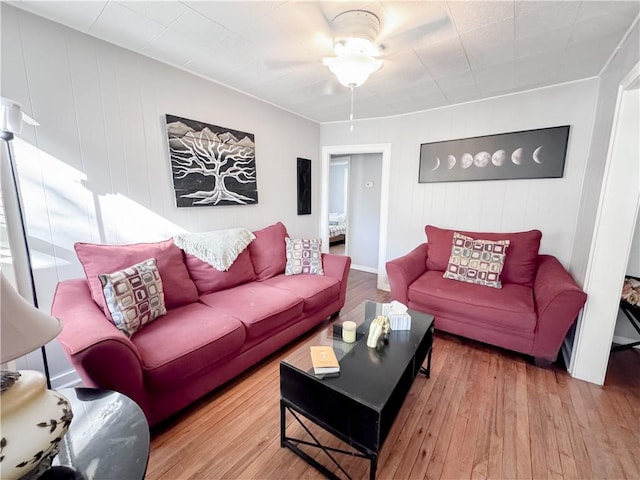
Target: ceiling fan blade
column 272, row 64
column 331, row 87
column 415, row 36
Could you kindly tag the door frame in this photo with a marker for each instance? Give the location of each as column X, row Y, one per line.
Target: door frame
column 610, row 248
column 385, row 150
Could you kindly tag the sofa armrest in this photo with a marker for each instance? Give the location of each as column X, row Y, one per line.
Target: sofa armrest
column 337, row 266
column 102, row 355
column 558, row 300
column 403, row 271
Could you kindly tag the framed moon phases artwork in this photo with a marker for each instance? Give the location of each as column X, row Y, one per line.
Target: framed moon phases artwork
column 536, row 153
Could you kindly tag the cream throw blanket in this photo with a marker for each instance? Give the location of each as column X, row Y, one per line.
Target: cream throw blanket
column 219, row 248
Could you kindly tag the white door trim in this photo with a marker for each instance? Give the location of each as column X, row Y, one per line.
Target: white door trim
column 611, row 243
column 385, row 150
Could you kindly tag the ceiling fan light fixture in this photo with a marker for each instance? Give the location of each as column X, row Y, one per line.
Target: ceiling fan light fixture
column 356, row 45
column 353, row 69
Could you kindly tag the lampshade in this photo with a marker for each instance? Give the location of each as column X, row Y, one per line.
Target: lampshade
column 353, row 69
column 12, row 116
column 24, row 328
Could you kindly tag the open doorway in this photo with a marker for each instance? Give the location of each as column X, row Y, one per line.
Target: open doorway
column 354, row 208
column 378, row 189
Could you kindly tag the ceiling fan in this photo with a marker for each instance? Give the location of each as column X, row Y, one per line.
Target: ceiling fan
column 357, row 47
column 354, row 34
column 357, row 55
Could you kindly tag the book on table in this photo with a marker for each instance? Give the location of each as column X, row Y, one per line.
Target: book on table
column 325, row 362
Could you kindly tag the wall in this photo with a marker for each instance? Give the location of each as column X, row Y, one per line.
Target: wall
column 550, row 205
column 364, row 211
column 622, row 62
column 97, row 169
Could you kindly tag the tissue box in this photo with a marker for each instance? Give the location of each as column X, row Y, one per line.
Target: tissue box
column 400, row 321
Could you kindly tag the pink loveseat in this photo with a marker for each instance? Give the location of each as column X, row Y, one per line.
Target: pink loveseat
column 530, row 314
column 217, row 325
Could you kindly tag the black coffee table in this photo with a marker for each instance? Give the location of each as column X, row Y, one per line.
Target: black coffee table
column 360, row 405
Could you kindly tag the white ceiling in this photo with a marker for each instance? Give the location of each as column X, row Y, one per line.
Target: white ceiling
column 273, row 50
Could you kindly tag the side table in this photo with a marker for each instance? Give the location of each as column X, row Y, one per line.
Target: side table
column 632, row 312
column 108, row 438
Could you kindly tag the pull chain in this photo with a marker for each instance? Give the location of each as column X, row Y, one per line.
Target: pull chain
column 351, row 115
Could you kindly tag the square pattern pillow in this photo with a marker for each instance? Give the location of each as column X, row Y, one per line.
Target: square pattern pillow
column 476, row 261
column 134, row 296
column 303, row 256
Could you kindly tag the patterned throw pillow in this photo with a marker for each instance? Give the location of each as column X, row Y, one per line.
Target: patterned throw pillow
column 134, row 296
column 476, row 261
column 303, row 256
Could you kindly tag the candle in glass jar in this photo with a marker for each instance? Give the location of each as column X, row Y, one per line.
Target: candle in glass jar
column 349, row 331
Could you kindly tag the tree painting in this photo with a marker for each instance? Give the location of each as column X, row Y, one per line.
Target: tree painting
column 211, row 165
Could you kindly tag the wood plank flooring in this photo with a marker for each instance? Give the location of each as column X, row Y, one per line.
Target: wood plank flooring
column 484, row 413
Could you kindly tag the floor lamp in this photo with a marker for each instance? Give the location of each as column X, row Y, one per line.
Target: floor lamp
column 11, row 121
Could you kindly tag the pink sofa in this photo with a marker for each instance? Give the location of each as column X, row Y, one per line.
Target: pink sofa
column 217, row 325
column 531, row 313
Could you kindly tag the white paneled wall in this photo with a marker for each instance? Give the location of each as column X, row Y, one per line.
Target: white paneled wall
column 550, row 205
column 97, row 169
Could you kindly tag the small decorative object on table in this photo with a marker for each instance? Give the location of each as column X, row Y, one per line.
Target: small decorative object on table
column 398, row 316
column 631, row 291
column 379, row 330
column 630, row 306
column 34, row 420
column 349, row 331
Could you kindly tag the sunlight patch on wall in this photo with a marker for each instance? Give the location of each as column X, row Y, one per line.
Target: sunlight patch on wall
column 63, row 206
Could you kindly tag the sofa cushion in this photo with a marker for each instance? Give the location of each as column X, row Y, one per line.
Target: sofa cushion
column 134, row 296
column 192, row 338
column 208, row 279
column 97, row 259
column 519, row 265
column 510, row 307
column 316, row 290
column 476, row 261
column 303, row 256
column 261, row 308
column 268, row 251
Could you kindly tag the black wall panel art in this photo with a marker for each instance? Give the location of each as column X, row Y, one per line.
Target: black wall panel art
column 304, row 186
column 211, row 165
column 528, row 154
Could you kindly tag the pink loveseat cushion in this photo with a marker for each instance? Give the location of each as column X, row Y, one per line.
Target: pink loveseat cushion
column 520, row 263
column 208, row 279
column 98, row 259
column 510, row 307
column 268, row 251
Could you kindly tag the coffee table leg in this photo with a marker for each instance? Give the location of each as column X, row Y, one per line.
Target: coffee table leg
column 427, row 371
column 373, row 468
column 283, row 423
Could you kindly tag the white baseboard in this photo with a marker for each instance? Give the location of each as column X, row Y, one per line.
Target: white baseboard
column 362, row 268
column 68, row 379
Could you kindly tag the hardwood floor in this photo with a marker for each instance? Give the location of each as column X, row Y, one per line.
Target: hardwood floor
column 484, row 413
